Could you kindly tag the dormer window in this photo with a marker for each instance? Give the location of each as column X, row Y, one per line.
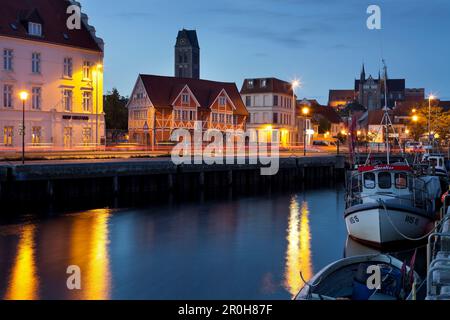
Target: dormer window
column 263, row 83
column 250, row 83
column 35, row 29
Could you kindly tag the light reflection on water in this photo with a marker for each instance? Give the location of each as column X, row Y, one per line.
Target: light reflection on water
column 252, row 248
column 298, row 256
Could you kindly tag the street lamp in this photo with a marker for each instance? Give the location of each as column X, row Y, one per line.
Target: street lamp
column 430, row 97
column 23, row 96
column 415, row 118
column 305, row 112
column 99, row 67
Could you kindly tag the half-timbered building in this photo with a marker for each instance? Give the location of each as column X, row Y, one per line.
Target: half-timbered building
column 158, row 105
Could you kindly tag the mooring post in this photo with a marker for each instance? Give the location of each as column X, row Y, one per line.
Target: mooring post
column 50, row 188
column 116, row 185
column 230, row 177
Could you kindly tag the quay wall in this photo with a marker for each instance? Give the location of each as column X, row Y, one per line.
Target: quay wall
column 72, row 180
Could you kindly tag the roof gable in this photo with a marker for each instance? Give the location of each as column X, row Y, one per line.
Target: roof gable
column 162, row 91
column 15, row 15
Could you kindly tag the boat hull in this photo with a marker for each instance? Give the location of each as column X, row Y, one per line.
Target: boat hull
column 374, row 225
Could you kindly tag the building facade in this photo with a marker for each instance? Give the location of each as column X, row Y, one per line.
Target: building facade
column 271, row 104
column 60, row 69
column 187, row 55
column 159, row 105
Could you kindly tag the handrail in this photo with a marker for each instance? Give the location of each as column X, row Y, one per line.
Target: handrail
column 430, row 277
column 430, row 237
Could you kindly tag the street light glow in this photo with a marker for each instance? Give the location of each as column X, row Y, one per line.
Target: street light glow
column 295, row 84
column 23, row 95
column 415, row 118
column 305, row 111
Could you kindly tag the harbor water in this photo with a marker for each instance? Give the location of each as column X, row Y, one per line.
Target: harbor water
column 250, row 247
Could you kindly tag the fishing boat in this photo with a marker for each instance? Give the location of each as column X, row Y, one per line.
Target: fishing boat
column 388, row 203
column 352, row 279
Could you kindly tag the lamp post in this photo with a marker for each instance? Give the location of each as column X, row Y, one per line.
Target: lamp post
column 23, row 96
column 305, row 112
column 99, row 67
column 430, row 97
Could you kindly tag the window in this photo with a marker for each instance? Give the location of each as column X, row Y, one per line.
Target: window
column 87, row 136
column 275, row 100
column 67, row 99
column 192, row 115
column 221, row 118
column 250, row 83
column 229, row 118
column 263, row 83
column 7, row 60
column 87, row 101
column 248, row 101
column 87, row 70
column 36, row 97
column 401, row 180
column 36, row 62
column 369, row 180
column 8, row 136
column 7, row 96
column 185, row 98
column 222, row 101
column 384, row 180
column 35, row 29
column 275, row 118
column 67, row 137
column 215, row 117
column 68, row 67
column 36, row 133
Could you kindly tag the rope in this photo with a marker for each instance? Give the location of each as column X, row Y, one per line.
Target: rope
column 405, row 236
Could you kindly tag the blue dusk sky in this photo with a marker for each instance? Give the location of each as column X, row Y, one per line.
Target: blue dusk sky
column 322, row 42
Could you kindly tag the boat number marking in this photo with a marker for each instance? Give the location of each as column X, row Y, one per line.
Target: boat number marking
column 354, row 219
column 412, row 220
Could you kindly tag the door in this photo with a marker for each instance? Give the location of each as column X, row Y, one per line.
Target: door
column 8, row 136
column 68, row 137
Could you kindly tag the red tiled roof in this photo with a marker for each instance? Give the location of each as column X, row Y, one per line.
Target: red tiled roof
column 162, row 91
column 338, row 95
column 52, row 14
column 273, row 85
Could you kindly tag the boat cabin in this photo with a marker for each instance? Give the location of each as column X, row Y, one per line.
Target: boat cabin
column 385, row 179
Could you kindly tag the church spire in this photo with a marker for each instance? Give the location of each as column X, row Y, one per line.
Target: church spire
column 363, row 73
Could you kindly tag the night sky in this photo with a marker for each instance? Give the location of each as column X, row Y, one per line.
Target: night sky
column 322, row 42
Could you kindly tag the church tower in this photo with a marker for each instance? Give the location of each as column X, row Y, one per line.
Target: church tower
column 187, row 55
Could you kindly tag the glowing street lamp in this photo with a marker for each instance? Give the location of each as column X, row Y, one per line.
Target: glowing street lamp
column 305, row 112
column 430, row 97
column 415, row 118
column 24, row 97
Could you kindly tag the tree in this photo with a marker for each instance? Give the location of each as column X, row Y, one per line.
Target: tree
column 116, row 113
column 440, row 121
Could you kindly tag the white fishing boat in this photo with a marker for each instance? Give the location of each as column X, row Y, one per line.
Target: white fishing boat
column 388, row 203
column 350, row 279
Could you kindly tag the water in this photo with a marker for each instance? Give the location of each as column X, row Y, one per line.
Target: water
column 247, row 248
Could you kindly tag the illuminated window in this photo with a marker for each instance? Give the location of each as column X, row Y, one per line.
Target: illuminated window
column 36, row 135
column 67, row 99
column 87, row 70
column 87, row 101
column 8, row 136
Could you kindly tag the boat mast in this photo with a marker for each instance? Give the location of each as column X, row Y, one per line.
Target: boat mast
column 386, row 114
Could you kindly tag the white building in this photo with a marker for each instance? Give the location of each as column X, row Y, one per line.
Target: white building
column 60, row 69
column 271, row 104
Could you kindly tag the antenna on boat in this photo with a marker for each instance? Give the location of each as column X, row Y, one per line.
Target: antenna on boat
column 386, row 114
